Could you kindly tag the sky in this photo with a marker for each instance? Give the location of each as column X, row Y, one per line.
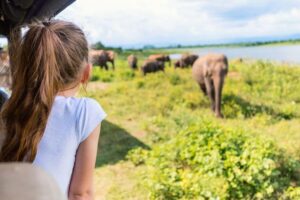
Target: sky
column 135, row 23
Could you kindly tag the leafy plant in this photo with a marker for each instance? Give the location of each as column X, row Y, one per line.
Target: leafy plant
column 209, row 162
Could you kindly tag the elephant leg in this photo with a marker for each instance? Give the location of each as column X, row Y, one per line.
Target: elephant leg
column 218, row 85
column 106, row 66
column 113, row 64
column 210, row 92
column 203, row 88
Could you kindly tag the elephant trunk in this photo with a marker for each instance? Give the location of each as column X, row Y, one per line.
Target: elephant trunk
column 218, row 86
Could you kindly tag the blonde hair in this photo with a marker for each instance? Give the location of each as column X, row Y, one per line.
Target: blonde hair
column 50, row 56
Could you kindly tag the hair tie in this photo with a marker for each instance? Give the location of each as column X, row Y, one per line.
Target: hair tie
column 46, row 23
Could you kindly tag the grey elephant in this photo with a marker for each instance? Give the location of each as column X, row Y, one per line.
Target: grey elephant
column 151, row 66
column 102, row 57
column 186, row 60
column 177, row 64
column 132, row 61
column 161, row 57
column 209, row 72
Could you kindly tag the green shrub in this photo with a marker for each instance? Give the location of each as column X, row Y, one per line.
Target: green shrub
column 209, row 162
column 292, row 193
column 127, row 75
column 107, row 77
column 137, row 156
column 140, row 84
column 95, row 77
column 175, row 79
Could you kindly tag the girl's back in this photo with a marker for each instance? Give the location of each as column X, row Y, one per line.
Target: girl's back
column 70, row 122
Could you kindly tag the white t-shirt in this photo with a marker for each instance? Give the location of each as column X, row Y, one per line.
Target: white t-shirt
column 70, row 122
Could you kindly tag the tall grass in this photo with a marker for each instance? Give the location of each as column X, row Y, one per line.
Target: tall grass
column 260, row 98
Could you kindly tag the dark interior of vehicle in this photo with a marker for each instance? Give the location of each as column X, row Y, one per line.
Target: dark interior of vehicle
column 18, row 12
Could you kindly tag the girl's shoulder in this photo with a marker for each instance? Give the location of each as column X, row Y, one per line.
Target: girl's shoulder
column 77, row 102
column 88, row 113
column 80, row 106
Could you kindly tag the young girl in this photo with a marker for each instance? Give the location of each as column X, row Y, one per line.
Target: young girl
column 43, row 122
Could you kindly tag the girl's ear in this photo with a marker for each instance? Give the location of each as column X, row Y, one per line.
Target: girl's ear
column 86, row 73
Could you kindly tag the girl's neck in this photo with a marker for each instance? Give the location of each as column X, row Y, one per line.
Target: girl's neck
column 69, row 91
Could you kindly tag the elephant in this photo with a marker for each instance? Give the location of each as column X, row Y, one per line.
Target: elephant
column 177, row 64
column 160, row 57
column 186, row 60
column 101, row 57
column 151, row 66
column 111, row 57
column 209, row 72
column 132, row 61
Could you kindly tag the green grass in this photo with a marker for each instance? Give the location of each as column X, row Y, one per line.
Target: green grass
column 259, row 98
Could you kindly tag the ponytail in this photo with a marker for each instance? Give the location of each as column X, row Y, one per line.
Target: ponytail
column 48, row 60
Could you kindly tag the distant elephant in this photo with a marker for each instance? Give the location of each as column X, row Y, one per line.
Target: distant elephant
column 160, row 57
column 177, row 64
column 151, row 66
column 111, row 58
column 186, row 60
column 132, row 61
column 210, row 71
column 101, row 57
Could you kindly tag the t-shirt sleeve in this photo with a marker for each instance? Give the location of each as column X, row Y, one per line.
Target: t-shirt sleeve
column 89, row 117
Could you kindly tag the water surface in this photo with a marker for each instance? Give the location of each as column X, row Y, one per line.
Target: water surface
column 283, row 53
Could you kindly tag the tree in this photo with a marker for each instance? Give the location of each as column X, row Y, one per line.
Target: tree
column 98, row 45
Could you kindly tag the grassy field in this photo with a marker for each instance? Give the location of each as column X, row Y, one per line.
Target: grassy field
column 261, row 99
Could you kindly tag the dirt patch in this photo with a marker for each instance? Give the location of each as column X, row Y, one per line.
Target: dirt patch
column 139, row 134
column 97, row 86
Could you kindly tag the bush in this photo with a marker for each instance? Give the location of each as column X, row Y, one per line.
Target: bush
column 175, row 79
column 95, row 78
column 209, row 162
column 292, row 193
column 127, row 75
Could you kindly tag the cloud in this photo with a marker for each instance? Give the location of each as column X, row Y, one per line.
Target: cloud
column 163, row 22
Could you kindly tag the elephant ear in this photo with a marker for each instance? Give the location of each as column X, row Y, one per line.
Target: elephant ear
column 111, row 54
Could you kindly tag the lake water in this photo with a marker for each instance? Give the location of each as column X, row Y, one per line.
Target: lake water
column 283, row 53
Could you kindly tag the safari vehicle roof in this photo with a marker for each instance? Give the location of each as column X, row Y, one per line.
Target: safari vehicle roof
column 18, row 12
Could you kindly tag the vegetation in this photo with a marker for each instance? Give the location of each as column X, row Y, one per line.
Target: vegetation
column 161, row 141
column 101, row 46
column 237, row 44
column 177, row 47
column 210, row 162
